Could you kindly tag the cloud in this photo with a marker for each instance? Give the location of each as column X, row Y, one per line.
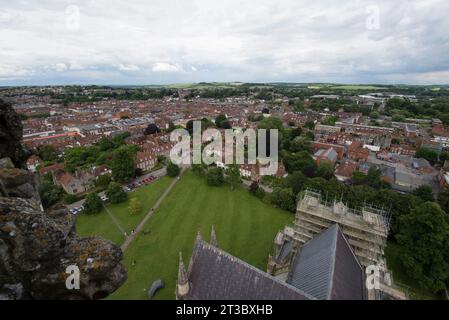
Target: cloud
column 166, row 67
column 60, row 67
column 128, row 67
column 173, row 40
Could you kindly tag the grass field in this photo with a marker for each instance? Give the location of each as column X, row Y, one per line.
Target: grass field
column 245, row 227
column 101, row 224
column 401, row 278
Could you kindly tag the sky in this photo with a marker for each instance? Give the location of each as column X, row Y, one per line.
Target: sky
column 142, row 42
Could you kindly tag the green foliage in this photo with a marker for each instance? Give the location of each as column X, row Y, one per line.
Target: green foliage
column 424, row 192
column 173, row 170
column 97, row 154
column 301, row 161
column 301, row 143
column 103, row 181
column 424, row 237
column 222, row 122
column 295, row 181
column 233, row 176
column 135, row 206
column 255, row 117
column 115, row 193
column 330, row 121
column 325, row 170
column 310, row 125
column 215, row 177
column 92, row 204
column 70, row 198
column 50, row 194
column 48, row 153
column 270, row 123
column 443, row 200
column 284, row 199
column 428, row 154
column 123, row 167
column 358, row 178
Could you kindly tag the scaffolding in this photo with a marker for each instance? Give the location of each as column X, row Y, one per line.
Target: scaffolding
column 366, row 228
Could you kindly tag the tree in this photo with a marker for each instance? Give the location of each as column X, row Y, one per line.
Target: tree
column 301, row 161
column 103, row 181
column 233, row 176
column 425, row 192
column 325, row 170
column 135, row 206
column 70, row 198
column 171, row 127
column 358, row 178
column 256, row 190
column 284, row 199
column 49, row 193
column 215, row 177
column 295, row 181
column 123, row 164
column 173, row 170
column 270, row 123
column 48, row 153
column 199, row 169
column 330, row 121
column 301, row 143
column 92, row 204
column 424, row 237
column 428, row 154
column 373, row 177
column 151, row 129
column 115, row 193
column 310, row 125
column 443, row 199
column 161, row 158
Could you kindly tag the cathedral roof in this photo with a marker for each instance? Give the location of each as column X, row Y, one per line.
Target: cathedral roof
column 327, row 268
column 217, row 275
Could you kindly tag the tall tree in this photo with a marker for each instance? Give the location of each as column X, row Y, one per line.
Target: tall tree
column 424, row 236
column 123, row 167
column 425, row 192
column 92, row 204
column 115, row 193
column 233, row 176
column 173, row 170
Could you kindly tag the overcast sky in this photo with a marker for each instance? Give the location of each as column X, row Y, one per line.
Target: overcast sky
column 173, row 41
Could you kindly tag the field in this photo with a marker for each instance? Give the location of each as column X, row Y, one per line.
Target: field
column 101, row 224
column 245, row 227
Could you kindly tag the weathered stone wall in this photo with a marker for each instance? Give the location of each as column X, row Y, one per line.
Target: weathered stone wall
column 37, row 246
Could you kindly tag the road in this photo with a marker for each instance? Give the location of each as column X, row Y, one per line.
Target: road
column 158, row 174
column 139, row 228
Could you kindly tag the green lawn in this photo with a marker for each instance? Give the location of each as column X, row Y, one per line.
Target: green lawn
column 245, row 227
column 101, row 224
column 401, row 278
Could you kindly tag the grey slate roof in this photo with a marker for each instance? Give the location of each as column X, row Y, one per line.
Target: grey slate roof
column 327, row 269
column 217, row 275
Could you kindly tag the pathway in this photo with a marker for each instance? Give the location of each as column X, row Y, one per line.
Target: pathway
column 114, row 219
column 140, row 226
